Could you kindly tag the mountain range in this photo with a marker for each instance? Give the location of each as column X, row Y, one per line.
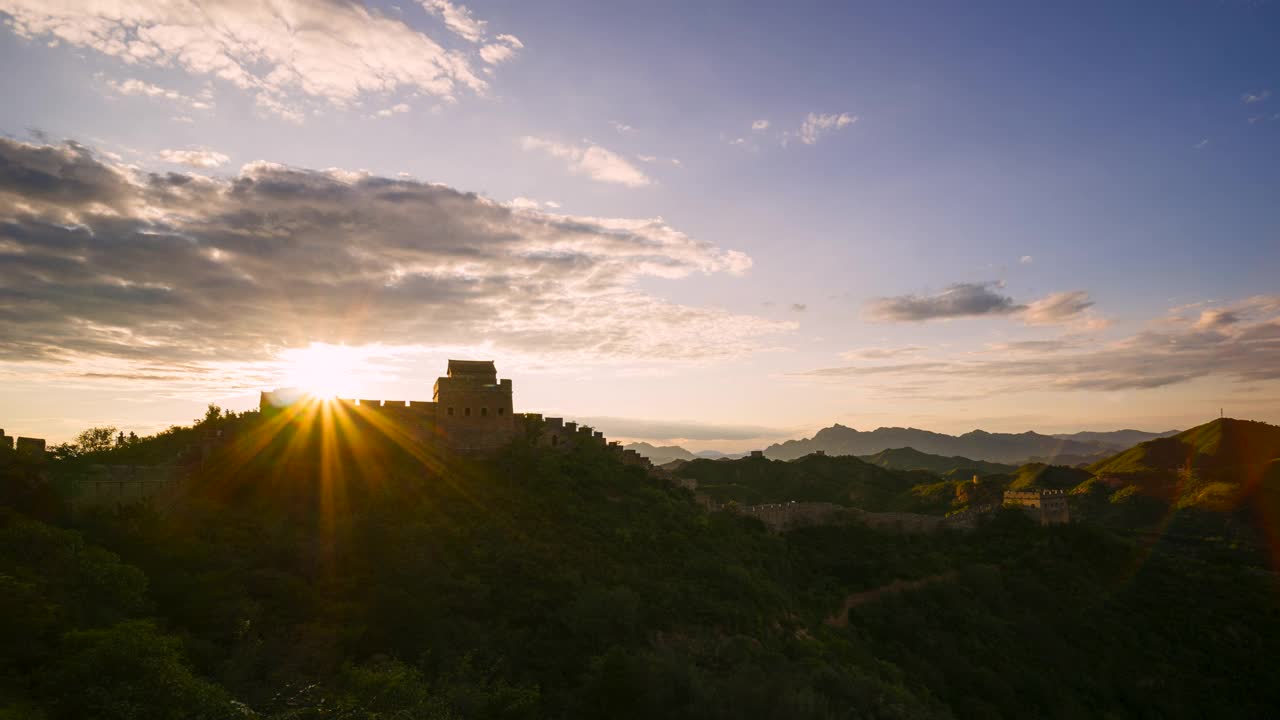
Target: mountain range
column 977, row 444
column 663, row 454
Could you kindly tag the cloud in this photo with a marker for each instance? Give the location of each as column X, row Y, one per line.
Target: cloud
column 621, row 127
column 194, row 158
column 289, row 53
column 879, row 353
column 1026, row 259
column 815, row 125
column 133, row 86
column 1202, row 144
column 979, row 299
column 799, row 307
column 109, row 267
column 1250, row 98
column 667, row 430
column 457, row 18
column 393, row 110
column 1217, row 319
column 504, row 49
column 1239, row 342
column 958, row 300
column 1057, row 308
column 524, row 203
column 591, row 160
column 760, row 125
column 655, row 158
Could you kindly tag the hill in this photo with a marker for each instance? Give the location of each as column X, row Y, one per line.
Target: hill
column 308, row 574
column 978, row 444
column 1215, row 446
column 847, row 481
column 1224, row 466
column 1117, row 439
column 1040, row 476
column 660, row 454
column 954, row 466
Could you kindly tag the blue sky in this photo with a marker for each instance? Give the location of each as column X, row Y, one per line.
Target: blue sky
column 994, row 215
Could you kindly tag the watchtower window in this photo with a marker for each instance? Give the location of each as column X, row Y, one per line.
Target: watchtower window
column 450, row 412
column 484, row 412
column 502, row 411
column 555, row 440
column 467, row 412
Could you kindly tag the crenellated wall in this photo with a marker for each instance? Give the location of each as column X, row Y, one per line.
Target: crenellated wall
column 31, row 447
column 471, row 410
column 120, row 485
column 1048, row 507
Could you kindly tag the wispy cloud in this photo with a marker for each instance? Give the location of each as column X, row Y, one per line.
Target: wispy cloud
column 816, row 125
column 1239, row 341
column 591, row 160
column 962, row 300
column 463, row 23
column 259, row 46
column 194, row 158
column 1057, row 308
column 133, row 86
column 457, row 18
column 676, row 430
column 397, row 109
column 760, row 125
column 501, row 50
column 621, row 127
column 882, row 353
column 655, row 158
column 524, row 203
column 1256, row 97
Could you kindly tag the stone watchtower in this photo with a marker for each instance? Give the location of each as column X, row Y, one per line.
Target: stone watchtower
column 473, row 407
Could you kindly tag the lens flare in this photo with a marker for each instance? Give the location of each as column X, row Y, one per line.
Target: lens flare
column 322, row 370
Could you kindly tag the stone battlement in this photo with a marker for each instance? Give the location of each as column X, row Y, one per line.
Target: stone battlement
column 1048, row 507
column 471, row 410
column 31, row 448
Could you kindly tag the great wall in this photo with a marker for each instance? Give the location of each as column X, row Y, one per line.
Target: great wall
column 472, row 411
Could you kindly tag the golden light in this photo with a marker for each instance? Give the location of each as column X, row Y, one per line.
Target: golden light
column 322, row 370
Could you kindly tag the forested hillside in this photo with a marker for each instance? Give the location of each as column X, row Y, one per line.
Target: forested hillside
column 362, row 578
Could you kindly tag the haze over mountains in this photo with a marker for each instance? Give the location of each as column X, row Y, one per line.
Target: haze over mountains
column 1009, row 448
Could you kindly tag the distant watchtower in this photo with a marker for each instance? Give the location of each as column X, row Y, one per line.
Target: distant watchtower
column 473, row 407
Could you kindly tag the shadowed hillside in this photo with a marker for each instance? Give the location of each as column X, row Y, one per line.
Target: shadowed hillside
column 846, row 481
column 950, row 467
column 307, row 575
column 1215, row 446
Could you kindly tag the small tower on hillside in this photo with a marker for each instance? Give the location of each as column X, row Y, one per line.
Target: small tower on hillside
column 473, row 407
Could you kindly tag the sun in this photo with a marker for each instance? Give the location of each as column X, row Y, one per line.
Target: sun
column 322, row 370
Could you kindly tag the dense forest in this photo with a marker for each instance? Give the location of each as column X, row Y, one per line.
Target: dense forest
column 310, row 574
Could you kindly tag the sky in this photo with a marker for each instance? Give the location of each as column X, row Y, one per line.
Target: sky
column 712, row 224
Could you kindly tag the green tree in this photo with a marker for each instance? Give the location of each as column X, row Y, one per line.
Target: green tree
column 130, row 671
column 97, row 439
